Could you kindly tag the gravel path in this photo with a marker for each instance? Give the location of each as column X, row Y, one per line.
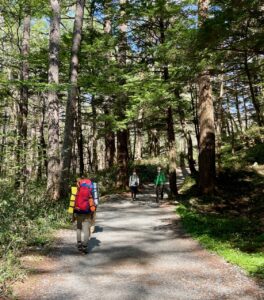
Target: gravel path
column 139, row 251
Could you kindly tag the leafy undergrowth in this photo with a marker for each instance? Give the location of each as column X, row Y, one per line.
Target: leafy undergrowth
column 230, row 223
column 236, row 239
column 28, row 221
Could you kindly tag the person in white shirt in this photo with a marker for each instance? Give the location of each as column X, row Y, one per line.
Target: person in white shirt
column 133, row 184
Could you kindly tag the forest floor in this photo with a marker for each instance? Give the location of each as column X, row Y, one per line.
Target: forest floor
column 138, row 251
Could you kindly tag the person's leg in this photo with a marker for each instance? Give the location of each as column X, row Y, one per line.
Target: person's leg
column 93, row 216
column 161, row 191
column 135, row 193
column 132, row 192
column 157, row 193
column 79, row 231
column 86, row 224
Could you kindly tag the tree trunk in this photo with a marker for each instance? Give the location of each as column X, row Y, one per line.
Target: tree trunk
column 188, row 139
column 72, row 98
column 109, row 135
column 195, row 113
column 53, row 151
column 253, row 96
column 122, row 157
column 109, row 141
column 3, row 143
column 219, row 124
column 139, row 135
column 237, row 107
column 94, row 136
column 23, row 104
column 206, row 121
column 42, row 148
column 79, row 135
column 231, row 125
column 122, row 134
column 172, row 153
column 245, row 112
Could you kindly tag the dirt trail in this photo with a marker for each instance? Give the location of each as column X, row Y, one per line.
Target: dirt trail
column 139, row 251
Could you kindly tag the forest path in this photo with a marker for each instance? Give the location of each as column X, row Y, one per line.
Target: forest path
column 138, row 251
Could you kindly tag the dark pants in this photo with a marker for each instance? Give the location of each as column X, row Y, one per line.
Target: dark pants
column 133, row 191
column 160, row 191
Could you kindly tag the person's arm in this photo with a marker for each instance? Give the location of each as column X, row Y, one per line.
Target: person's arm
column 137, row 180
column 95, row 193
column 130, row 179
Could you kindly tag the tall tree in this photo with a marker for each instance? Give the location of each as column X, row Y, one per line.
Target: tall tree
column 206, row 119
column 53, row 187
column 23, row 102
column 122, row 134
column 72, row 96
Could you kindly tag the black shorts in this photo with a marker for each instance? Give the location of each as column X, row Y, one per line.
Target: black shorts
column 133, row 189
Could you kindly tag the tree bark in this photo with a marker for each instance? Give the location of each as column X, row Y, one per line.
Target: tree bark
column 110, row 147
column 94, row 136
column 42, row 146
column 245, row 112
column 188, row 139
column 170, row 124
column 139, row 135
column 255, row 101
column 72, row 98
column 206, row 121
column 23, row 103
column 219, row 124
column 172, row 153
column 195, row 114
column 122, row 134
column 53, row 150
column 79, row 136
column 237, row 107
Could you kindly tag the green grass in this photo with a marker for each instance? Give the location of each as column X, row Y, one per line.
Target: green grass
column 238, row 240
column 28, row 221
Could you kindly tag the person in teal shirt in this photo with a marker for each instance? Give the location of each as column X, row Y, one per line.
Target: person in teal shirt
column 159, row 183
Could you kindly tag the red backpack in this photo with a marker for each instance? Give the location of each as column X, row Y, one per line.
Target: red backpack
column 84, row 202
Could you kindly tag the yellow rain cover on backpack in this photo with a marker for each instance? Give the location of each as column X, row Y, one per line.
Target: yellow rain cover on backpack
column 72, row 199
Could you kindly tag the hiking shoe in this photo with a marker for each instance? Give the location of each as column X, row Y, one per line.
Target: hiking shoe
column 79, row 246
column 85, row 249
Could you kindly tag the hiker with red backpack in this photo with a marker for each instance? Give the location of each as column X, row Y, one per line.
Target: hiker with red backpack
column 86, row 202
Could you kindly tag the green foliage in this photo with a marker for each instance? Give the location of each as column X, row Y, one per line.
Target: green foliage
column 249, row 148
column 28, row 222
column 238, row 240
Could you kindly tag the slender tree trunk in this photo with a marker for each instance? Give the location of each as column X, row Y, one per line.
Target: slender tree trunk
column 3, row 143
column 237, row 107
column 139, row 136
column 110, row 135
column 245, row 112
column 53, row 151
column 206, row 121
column 172, row 153
column 232, row 125
column 109, row 141
column 253, row 96
column 94, row 136
column 79, row 135
column 195, row 113
column 23, row 104
column 170, row 125
column 42, row 147
column 72, row 98
column 219, row 124
column 122, row 134
column 188, row 139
